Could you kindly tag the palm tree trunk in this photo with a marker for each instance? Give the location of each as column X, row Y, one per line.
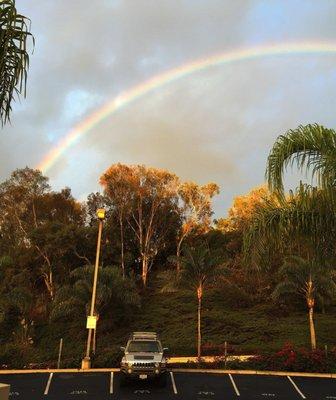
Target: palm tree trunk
column 144, row 270
column 199, row 333
column 122, row 245
column 312, row 328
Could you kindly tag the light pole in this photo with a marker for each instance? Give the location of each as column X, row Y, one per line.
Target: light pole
column 86, row 361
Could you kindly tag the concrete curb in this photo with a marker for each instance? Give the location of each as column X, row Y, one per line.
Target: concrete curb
column 185, row 370
column 208, row 359
column 48, row 371
column 253, row 372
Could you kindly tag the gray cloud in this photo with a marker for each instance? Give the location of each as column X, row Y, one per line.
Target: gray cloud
column 217, row 125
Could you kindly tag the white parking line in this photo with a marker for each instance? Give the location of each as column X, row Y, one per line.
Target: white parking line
column 48, row 383
column 111, row 383
column 234, row 385
column 173, row 382
column 296, row 388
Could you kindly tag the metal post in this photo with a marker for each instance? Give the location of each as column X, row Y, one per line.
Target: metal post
column 86, row 361
column 225, row 353
column 60, row 354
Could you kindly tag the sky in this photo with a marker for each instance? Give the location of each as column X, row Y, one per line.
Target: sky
column 215, row 125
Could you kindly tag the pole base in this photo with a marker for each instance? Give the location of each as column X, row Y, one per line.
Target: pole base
column 86, row 363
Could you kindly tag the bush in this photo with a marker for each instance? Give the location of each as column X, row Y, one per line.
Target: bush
column 15, row 356
column 209, row 349
column 298, row 360
column 107, row 358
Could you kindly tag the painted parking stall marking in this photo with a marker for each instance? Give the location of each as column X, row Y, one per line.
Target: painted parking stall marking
column 46, row 391
column 141, row 389
column 296, row 387
column 234, row 385
column 25, row 386
column 111, row 382
column 73, row 385
column 201, row 386
column 104, row 385
column 173, row 382
column 317, row 388
column 266, row 387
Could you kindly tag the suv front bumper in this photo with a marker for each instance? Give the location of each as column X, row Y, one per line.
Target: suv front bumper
column 142, row 372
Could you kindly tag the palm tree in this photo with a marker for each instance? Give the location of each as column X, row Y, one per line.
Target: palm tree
column 14, row 59
column 309, row 211
column 304, row 216
column 112, row 288
column 307, row 279
column 310, row 147
column 199, row 269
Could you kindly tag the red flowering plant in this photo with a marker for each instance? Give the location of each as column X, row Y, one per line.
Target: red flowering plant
column 299, row 360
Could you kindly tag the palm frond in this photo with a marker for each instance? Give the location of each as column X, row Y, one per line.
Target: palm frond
column 308, row 212
column 14, row 58
column 310, row 147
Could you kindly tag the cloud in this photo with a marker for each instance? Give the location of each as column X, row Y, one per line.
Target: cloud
column 216, row 125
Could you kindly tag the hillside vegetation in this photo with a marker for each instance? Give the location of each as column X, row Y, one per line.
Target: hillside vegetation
column 257, row 279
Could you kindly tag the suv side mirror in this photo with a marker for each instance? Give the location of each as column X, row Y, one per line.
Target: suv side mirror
column 165, row 349
column 122, row 348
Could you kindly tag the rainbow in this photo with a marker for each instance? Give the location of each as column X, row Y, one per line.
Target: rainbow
column 156, row 82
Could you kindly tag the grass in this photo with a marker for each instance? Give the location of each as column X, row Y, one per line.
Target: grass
column 247, row 330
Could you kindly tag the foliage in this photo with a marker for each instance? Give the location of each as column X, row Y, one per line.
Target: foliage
column 294, row 276
column 299, row 360
column 310, row 147
column 48, row 244
column 14, row 58
column 74, row 299
column 308, row 213
column 151, row 207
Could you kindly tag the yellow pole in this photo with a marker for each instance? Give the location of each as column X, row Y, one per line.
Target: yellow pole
column 86, row 362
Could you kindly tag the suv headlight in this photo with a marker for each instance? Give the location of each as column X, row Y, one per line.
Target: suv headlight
column 157, row 365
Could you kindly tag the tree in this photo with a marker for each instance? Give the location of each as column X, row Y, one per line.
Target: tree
column 37, row 221
column 243, row 209
column 17, row 302
column 309, row 211
column 196, row 210
column 302, row 223
column 308, row 279
column 311, row 148
column 117, row 183
column 200, row 267
column 112, row 288
column 14, row 58
column 151, row 196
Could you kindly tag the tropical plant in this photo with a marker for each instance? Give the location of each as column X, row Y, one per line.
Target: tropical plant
column 308, row 211
column 196, row 211
column 311, row 148
column 308, row 279
column 200, row 267
column 14, row 58
column 111, row 288
column 303, row 220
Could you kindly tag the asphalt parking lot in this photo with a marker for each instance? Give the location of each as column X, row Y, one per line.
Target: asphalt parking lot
column 180, row 385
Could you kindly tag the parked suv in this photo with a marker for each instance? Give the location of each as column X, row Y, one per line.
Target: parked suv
column 144, row 358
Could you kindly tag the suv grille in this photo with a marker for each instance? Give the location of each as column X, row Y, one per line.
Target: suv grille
column 143, row 358
column 144, row 365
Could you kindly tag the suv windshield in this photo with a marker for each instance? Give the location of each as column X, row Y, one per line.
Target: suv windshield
column 145, row 346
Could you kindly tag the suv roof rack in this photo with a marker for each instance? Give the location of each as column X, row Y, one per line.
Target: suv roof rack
column 144, row 335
